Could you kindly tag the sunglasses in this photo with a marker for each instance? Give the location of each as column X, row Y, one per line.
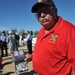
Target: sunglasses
column 45, row 10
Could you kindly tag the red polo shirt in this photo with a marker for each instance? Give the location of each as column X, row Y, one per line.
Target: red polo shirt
column 54, row 52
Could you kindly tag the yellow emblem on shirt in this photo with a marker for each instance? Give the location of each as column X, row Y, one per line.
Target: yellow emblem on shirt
column 53, row 38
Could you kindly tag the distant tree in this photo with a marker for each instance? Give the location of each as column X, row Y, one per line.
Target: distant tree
column 15, row 30
column 0, row 32
column 36, row 33
column 22, row 31
column 6, row 32
column 31, row 32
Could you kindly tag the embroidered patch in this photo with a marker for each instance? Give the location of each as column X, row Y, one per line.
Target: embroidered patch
column 53, row 38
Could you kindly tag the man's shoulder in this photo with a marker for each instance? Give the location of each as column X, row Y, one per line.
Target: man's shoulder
column 68, row 25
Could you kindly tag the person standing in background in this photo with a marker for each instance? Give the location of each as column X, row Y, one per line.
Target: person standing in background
column 15, row 39
column 29, row 42
column 11, row 43
column 54, row 51
column 3, row 39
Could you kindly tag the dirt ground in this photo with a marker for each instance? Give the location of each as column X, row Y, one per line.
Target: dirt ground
column 8, row 67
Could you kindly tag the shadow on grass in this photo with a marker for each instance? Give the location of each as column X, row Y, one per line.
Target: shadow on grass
column 5, row 64
column 25, row 73
column 9, row 73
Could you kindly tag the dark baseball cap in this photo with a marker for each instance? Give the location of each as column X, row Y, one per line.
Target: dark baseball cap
column 3, row 32
column 42, row 2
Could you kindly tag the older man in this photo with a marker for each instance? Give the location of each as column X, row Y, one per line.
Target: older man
column 54, row 52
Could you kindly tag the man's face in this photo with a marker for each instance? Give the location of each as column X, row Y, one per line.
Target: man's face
column 45, row 16
column 3, row 33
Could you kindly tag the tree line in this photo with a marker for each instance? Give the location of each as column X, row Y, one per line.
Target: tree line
column 22, row 32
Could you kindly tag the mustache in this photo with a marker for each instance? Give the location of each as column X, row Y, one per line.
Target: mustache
column 44, row 19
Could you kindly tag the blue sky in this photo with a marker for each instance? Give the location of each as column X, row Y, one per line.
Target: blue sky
column 17, row 14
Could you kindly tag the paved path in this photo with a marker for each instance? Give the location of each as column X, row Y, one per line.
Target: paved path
column 9, row 68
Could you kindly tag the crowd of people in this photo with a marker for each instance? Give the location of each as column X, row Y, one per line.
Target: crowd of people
column 12, row 42
column 9, row 41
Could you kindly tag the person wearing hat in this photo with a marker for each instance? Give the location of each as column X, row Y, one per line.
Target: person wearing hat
column 11, row 43
column 29, row 42
column 54, row 51
column 3, row 39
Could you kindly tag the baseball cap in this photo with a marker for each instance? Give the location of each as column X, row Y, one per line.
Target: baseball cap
column 3, row 32
column 42, row 2
column 10, row 32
